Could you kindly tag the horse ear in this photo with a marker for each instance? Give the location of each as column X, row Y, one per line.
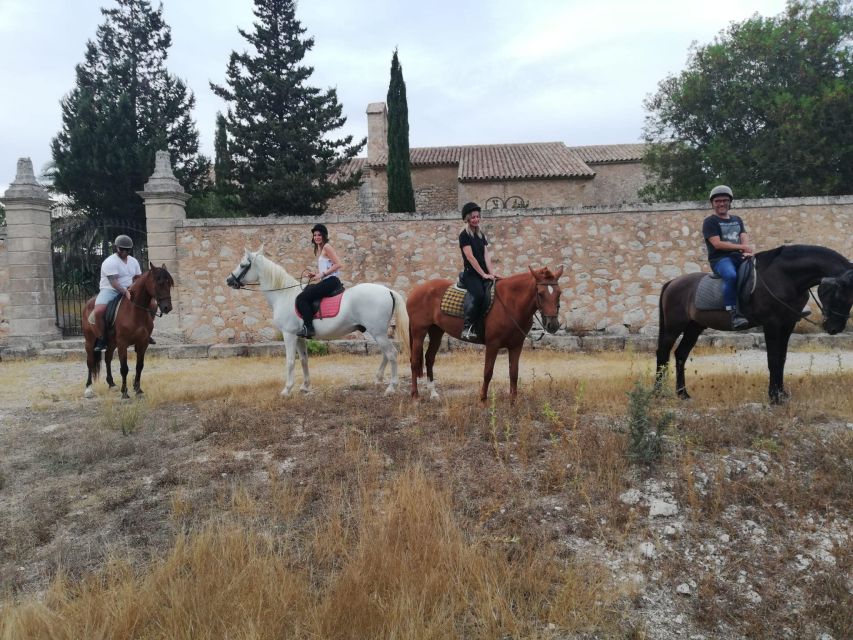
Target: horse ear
column 531, row 270
column 558, row 273
column 163, row 267
column 260, row 250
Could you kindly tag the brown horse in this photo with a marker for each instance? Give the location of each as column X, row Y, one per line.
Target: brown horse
column 517, row 299
column 784, row 276
column 133, row 326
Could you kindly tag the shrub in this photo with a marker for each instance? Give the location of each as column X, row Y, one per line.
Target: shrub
column 646, row 425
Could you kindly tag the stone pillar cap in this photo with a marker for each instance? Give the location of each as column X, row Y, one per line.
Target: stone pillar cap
column 162, row 180
column 25, row 184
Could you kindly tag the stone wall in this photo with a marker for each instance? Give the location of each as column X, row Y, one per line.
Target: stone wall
column 616, row 183
column 4, row 286
column 616, row 258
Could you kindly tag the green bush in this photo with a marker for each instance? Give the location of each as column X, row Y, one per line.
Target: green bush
column 646, row 425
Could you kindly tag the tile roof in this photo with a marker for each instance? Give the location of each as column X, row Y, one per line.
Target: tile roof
column 524, row 161
column 601, row 153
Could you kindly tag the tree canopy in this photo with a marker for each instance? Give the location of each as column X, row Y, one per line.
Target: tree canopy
column 124, row 107
column 283, row 159
column 766, row 108
column 401, row 196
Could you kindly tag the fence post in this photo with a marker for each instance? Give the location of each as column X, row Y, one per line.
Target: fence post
column 165, row 202
column 32, row 307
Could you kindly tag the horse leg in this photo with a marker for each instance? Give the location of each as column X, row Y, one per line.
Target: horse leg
column 122, row 358
column 416, row 358
column 776, row 338
column 488, row 370
column 435, row 335
column 685, row 346
column 93, row 364
column 290, row 361
column 666, row 341
column 389, row 354
column 108, row 361
column 302, row 349
column 514, row 357
column 140, row 363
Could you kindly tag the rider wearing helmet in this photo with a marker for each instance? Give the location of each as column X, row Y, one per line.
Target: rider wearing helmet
column 327, row 275
column 477, row 268
column 117, row 273
column 728, row 244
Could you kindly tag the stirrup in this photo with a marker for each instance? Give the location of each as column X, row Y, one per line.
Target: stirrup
column 470, row 334
column 305, row 332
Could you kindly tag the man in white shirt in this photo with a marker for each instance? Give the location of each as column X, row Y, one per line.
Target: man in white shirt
column 117, row 273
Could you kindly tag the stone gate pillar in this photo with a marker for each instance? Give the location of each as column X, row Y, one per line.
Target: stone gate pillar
column 32, row 306
column 165, row 202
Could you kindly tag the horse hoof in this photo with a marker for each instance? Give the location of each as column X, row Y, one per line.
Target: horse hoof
column 683, row 395
column 89, row 393
column 390, row 390
column 434, row 396
column 140, row 392
column 124, row 396
column 284, row 393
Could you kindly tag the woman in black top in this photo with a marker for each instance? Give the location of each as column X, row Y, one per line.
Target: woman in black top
column 477, row 268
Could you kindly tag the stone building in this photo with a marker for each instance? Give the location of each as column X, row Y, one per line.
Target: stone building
column 537, row 174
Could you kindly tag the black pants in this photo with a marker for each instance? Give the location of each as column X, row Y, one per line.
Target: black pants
column 314, row 292
column 476, row 286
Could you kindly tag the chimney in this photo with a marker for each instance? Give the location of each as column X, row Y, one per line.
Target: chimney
column 377, row 133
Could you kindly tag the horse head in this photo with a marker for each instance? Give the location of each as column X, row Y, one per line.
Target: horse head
column 246, row 272
column 548, row 296
column 836, row 298
column 159, row 287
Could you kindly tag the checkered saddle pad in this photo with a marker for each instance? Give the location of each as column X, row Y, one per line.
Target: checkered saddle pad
column 451, row 301
column 709, row 293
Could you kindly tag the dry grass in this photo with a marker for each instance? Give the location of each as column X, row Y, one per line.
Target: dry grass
column 343, row 514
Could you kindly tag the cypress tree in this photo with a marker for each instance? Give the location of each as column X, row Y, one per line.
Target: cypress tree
column 401, row 196
column 222, row 164
column 124, row 107
column 283, row 159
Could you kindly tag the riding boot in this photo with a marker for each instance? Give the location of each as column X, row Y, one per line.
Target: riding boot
column 469, row 331
column 738, row 321
column 101, row 341
column 307, row 330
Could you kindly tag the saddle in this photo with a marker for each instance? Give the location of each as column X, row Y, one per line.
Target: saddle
column 110, row 314
column 454, row 297
column 709, row 293
column 327, row 307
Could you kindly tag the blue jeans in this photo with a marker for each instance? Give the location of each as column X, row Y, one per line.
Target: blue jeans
column 727, row 268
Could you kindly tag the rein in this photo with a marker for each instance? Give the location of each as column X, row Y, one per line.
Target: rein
column 799, row 313
column 257, row 287
column 538, row 308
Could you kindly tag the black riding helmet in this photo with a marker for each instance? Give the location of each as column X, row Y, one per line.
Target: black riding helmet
column 468, row 208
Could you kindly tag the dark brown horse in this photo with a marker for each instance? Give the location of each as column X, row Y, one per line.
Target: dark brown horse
column 517, row 299
column 783, row 278
column 133, row 326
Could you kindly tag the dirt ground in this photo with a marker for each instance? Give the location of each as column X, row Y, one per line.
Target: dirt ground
column 83, row 480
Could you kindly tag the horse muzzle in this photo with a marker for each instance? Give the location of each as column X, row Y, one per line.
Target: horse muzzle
column 551, row 324
column 233, row 282
column 165, row 305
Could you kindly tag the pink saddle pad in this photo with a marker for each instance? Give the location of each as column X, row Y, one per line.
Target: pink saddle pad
column 329, row 307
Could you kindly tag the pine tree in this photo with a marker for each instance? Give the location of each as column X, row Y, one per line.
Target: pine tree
column 124, row 107
column 222, row 163
column 401, row 197
column 283, row 160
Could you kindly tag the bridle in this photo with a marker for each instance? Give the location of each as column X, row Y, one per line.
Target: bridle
column 552, row 283
column 823, row 309
column 156, row 313
column 238, row 280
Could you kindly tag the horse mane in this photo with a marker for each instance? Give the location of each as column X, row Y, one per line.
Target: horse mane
column 794, row 251
column 276, row 276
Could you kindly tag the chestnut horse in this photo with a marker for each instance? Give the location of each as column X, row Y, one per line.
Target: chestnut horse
column 133, row 326
column 517, row 299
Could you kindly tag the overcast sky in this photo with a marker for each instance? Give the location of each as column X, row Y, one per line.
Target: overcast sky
column 477, row 72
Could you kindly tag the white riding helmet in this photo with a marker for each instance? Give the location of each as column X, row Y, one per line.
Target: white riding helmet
column 721, row 190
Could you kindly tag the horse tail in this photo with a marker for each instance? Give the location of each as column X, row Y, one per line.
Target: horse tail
column 96, row 365
column 401, row 319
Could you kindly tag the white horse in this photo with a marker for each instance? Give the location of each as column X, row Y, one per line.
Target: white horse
column 365, row 307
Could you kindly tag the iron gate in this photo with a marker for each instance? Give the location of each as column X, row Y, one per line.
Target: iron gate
column 80, row 245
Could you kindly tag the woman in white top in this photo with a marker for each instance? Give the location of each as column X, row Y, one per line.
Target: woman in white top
column 328, row 268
